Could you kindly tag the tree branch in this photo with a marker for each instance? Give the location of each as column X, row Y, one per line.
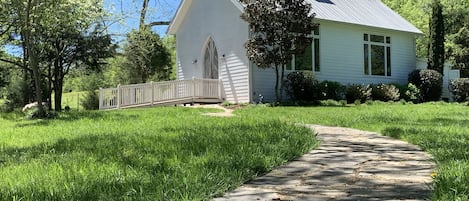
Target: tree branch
column 159, row 23
column 16, row 63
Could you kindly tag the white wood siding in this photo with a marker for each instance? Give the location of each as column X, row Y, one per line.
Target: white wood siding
column 342, row 58
column 342, row 54
column 221, row 21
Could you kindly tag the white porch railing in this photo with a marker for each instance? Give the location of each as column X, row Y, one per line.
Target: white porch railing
column 157, row 93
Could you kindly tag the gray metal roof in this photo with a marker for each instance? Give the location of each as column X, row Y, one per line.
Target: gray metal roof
column 371, row 13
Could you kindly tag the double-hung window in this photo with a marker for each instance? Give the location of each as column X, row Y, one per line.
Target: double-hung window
column 309, row 60
column 377, row 52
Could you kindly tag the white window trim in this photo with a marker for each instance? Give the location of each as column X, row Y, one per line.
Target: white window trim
column 385, row 45
column 313, row 66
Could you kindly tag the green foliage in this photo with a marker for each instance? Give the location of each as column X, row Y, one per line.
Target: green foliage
column 278, row 30
column 429, row 82
column 418, row 12
column 169, row 42
column 385, row 92
column 6, row 107
column 459, row 49
column 358, row 93
column 147, row 57
column 301, row 86
column 436, row 45
column 149, row 154
column 330, row 90
column 16, row 90
column 413, row 93
column 460, row 89
column 90, row 100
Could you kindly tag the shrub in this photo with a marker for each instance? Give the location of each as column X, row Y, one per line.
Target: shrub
column 91, row 100
column 330, row 90
column 362, row 93
column 412, row 93
column 301, row 85
column 385, row 92
column 429, row 82
column 460, row 89
column 7, row 107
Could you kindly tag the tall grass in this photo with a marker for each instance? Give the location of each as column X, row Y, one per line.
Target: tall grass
column 142, row 154
column 438, row 128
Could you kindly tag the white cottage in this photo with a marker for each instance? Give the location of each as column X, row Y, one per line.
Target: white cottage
column 358, row 42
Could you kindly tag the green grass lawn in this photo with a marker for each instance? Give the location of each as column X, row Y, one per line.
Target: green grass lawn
column 142, row 154
column 178, row 154
column 440, row 129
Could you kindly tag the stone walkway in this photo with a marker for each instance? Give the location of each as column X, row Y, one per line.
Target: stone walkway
column 348, row 165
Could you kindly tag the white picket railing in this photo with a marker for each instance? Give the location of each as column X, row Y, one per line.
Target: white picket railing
column 156, row 93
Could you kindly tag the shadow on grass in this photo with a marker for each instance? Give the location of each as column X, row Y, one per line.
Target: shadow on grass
column 77, row 116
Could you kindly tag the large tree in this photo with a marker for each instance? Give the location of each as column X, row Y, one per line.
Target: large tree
column 55, row 35
column 436, row 45
column 279, row 29
column 147, row 56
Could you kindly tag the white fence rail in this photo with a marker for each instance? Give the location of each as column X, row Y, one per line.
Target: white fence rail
column 156, row 93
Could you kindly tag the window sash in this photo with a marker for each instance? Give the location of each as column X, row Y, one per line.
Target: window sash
column 309, row 61
column 377, row 55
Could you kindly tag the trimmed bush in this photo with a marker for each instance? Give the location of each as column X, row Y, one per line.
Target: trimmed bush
column 460, row 89
column 301, row 86
column 429, row 82
column 360, row 93
column 385, row 92
column 330, row 90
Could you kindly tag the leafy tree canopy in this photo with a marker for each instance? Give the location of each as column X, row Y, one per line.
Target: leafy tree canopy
column 279, row 29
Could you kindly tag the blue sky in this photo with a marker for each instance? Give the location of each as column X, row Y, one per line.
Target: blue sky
column 128, row 11
column 127, row 14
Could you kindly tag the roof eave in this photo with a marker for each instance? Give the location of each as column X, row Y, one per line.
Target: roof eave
column 182, row 12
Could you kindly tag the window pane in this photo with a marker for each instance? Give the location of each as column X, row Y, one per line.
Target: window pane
column 366, row 60
column 377, row 60
column 305, row 61
column 388, row 57
column 365, row 37
column 388, row 40
column 378, row 39
column 317, row 62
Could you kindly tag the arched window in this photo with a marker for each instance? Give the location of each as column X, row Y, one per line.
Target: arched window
column 211, row 60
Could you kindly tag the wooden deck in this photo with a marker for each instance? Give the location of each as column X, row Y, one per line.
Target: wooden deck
column 161, row 93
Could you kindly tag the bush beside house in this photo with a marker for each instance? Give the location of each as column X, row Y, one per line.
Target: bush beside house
column 460, row 89
column 429, row 82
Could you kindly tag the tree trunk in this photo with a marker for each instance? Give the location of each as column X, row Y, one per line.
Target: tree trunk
column 143, row 13
column 277, row 80
column 58, row 83
column 49, row 87
column 58, row 86
column 282, row 70
column 33, row 55
column 34, row 63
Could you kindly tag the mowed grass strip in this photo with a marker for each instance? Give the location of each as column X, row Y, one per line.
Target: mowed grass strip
column 141, row 154
column 440, row 129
